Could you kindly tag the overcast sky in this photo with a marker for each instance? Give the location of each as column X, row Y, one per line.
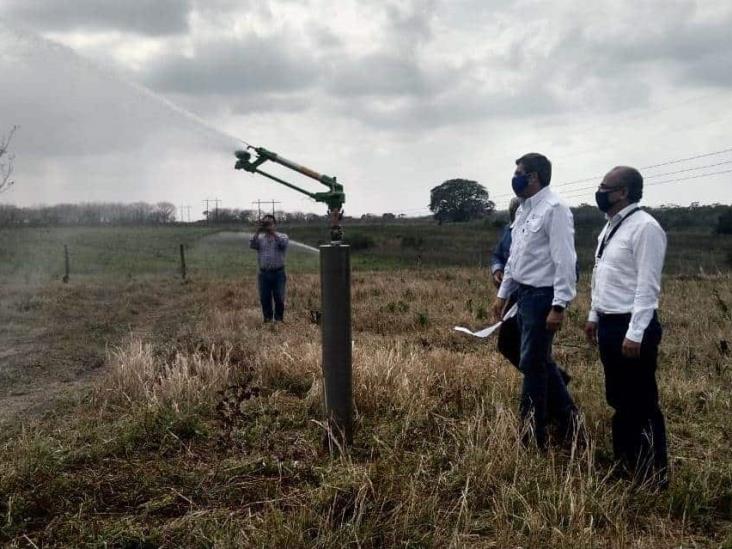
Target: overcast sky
column 392, row 97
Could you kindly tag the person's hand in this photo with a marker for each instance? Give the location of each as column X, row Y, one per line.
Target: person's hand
column 631, row 349
column 497, row 278
column 498, row 306
column 591, row 332
column 554, row 320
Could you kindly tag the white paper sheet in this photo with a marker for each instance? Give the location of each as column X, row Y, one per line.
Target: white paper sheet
column 485, row 332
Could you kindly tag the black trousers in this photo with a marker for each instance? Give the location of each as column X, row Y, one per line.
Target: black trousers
column 639, row 430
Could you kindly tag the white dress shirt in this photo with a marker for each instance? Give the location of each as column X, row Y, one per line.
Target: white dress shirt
column 627, row 278
column 542, row 248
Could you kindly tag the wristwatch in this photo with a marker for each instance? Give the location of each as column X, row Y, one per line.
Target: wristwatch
column 557, row 308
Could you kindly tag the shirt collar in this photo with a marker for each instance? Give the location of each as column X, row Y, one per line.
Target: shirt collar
column 538, row 197
column 622, row 213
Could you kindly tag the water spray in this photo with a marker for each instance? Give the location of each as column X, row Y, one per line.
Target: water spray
column 335, row 295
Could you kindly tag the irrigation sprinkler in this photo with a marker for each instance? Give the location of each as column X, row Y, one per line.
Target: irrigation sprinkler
column 335, row 294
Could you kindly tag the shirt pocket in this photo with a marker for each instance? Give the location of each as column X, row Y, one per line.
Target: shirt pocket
column 534, row 223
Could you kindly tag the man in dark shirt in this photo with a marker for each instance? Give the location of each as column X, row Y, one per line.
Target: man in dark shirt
column 271, row 248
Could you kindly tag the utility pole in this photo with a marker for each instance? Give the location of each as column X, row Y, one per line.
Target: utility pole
column 273, row 206
column 216, row 215
column 259, row 209
column 206, row 212
column 259, row 203
column 207, row 201
column 182, row 209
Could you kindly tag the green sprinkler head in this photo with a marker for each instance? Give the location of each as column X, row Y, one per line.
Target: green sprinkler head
column 243, row 161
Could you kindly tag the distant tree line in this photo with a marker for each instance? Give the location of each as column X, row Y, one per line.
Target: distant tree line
column 136, row 213
column 714, row 217
column 91, row 213
column 710, row 218
column 227, row 216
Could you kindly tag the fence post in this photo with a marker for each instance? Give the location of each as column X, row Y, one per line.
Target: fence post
column 66, row 264
column 182, row 262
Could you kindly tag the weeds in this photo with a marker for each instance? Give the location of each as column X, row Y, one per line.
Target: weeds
column 214, row 437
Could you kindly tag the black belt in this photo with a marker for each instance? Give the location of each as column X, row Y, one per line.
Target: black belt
column 263, row 270
column 621, row 316
column 527, row 287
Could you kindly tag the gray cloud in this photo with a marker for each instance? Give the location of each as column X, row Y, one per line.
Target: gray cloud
column 454, row 107
column 149, row 17
column 234, row 67
column 679, row 46
column 333, row 76
column 379, row 74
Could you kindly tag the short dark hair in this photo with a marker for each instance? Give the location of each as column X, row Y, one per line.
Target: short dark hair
column 270, row 216
column 538, row 164
column 632, row 180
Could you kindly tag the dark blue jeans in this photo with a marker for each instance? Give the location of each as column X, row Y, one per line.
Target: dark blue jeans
column 639, row 429
column 272, row 287
column 542, row 382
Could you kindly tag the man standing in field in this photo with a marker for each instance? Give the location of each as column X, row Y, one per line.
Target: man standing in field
column 541, row 271
column 509, row 336
column 271, row 249
column 623, row 321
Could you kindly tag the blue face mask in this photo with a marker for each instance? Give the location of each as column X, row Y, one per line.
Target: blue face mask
column 519, row 183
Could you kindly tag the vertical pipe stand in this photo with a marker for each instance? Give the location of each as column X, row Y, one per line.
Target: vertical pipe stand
column 335, row 288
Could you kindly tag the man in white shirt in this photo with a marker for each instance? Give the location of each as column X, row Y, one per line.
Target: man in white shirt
column 623, row 321
column 541, row 271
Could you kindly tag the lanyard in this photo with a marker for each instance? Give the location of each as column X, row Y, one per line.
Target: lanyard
column 612, row 233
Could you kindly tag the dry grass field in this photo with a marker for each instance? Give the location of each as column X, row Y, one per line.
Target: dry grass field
column 204, row 427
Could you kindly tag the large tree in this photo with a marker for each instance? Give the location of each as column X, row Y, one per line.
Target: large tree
column 6, row 161
column 460, row 200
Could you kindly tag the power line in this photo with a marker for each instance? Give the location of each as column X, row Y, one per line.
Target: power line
column 729, row 149
column 668, row 163
column 660, row 164
column 676, row 180
column 602, row 127
column 688, row 169
column 571, row 191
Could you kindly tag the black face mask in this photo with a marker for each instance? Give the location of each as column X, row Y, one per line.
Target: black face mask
column 603, row 201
